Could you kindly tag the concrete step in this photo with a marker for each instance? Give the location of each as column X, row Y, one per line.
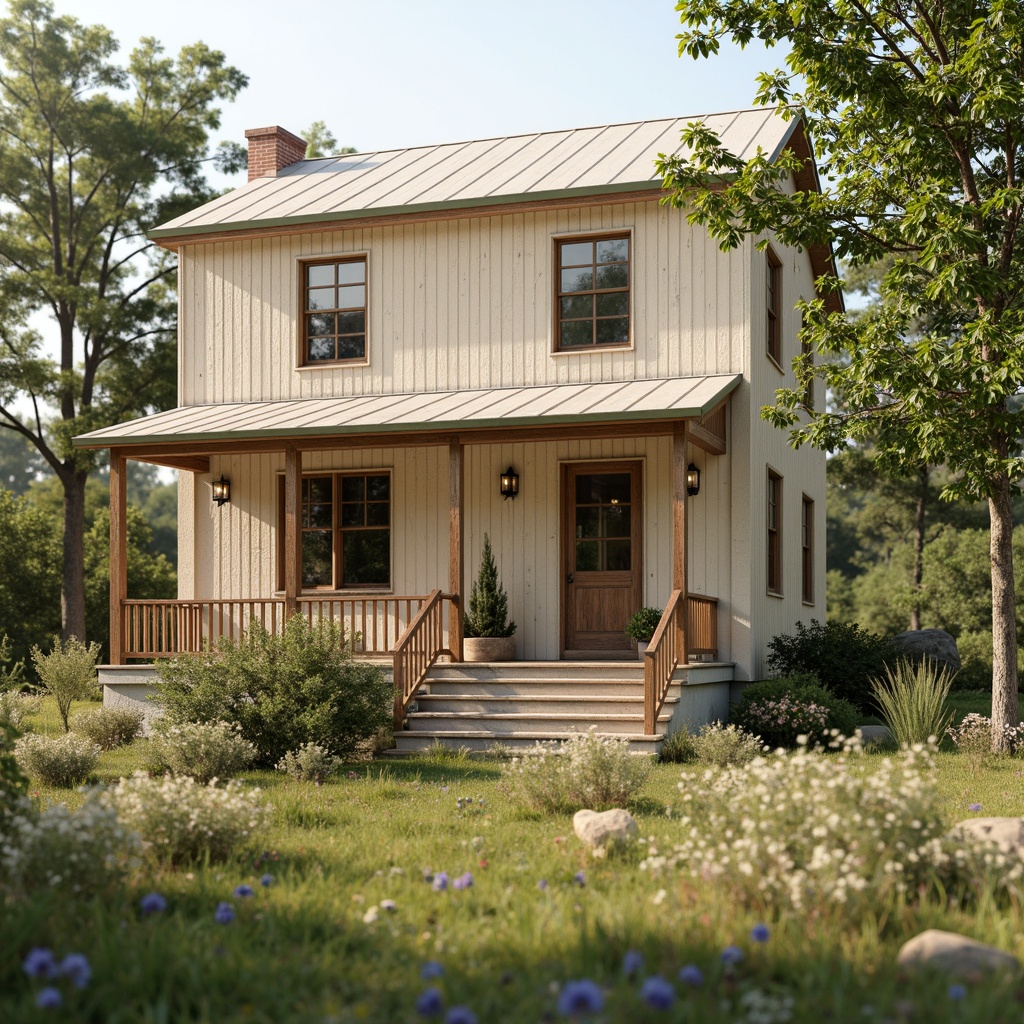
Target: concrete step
column 471, row 700
column 561, row 723
column 415, row 741
column 490, row 671
column 567, row 689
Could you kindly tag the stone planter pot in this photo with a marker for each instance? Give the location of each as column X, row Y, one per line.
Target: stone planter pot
column 488, row 648
column 641, row 647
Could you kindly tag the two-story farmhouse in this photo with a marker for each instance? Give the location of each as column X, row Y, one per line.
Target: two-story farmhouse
column 385, row 356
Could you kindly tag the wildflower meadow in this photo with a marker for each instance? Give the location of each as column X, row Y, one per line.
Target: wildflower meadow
column 436, row 890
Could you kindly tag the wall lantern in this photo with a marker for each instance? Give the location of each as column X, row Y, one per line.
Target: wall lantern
column 509, row 483
column 692, row 480
column 221, row 490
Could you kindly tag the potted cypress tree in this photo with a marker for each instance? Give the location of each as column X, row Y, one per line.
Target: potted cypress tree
column 488, row 635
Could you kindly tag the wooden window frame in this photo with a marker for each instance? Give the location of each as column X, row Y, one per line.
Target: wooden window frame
column 773, row 533
column 337, row 533
column 807, row 549
column 773, row 306
column 558, row 295
column 303, row 360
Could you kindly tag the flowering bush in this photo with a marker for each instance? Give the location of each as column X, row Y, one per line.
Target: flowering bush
column 309, row 763
column 180, row 820
column 203, row 752
column 83, row 852
column 973, row 736
column 57, row 761
column 780, row 710
column 715, row 744
column 586, row 770
column 16, row 707
column 109, row 727
column 808, row 828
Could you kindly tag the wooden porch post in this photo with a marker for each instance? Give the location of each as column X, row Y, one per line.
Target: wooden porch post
column 680, row 579
column 456, row 545
column 118, row 553
column 292, row 530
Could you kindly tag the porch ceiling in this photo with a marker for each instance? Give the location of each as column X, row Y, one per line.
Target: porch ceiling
column 638, row 401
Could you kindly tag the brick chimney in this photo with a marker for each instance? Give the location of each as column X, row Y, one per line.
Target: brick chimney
column 271, row 150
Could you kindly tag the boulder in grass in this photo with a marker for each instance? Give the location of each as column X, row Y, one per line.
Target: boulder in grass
column 602, row 829
column 1007, row 834
column 954, row 954
column 934, row 645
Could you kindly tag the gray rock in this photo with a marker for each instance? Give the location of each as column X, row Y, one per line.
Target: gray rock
column 935, row 645
column 954, row 954
column 604, row 828
column 1005, row 833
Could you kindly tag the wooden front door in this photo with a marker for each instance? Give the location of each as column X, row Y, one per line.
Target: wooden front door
column 602, row 556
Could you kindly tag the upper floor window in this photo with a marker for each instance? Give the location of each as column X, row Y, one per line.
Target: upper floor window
column 807, row 549
column 773, row 303
column 334, row 311
column 592, row 292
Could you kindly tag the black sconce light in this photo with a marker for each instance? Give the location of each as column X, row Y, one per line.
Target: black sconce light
column 221, row 490
column 509, row 483
column 692, row 480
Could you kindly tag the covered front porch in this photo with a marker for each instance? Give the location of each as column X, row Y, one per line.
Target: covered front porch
column 414, row 629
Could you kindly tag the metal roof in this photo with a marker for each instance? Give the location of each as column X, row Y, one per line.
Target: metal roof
column 581, row 161
column 637, row 400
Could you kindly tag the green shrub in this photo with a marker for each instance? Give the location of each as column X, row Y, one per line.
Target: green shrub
column 975, row 651
column 843, row 657
column 62, row 761
column 281, row 691
column 804, row 707
column 679, row 748
column 16, row 708
column 68, row 672
column 310, row 763
column 109, row 727
column 13, row 784
column 912, row 699
column 487, row 614
column 203, row 751
column 585, row 770
column 715, row 745
column 181, row 821
column 642, row 624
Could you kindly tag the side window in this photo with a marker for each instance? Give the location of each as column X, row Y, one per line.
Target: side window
column 774, row 525
column 773, row 304
column 807, row 549
column 591, row 292
column 333, row 328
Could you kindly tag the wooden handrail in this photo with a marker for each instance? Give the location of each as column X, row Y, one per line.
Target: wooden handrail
column 417, row 650
column 373, row 623
column 661, row 659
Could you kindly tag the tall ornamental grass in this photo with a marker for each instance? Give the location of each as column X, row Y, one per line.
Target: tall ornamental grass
column 911, row 699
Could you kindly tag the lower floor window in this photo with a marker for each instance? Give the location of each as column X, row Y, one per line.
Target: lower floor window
column 346, row 530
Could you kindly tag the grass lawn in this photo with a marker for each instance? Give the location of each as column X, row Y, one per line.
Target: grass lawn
column 308, row 948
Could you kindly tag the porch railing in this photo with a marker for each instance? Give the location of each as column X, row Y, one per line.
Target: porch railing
column 698, row 634
column 162, row 629
column 420, row 646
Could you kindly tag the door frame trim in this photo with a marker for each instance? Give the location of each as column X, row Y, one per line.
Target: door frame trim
column 566, row 535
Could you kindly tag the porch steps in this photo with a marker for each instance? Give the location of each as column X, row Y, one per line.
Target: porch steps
column 517, row 704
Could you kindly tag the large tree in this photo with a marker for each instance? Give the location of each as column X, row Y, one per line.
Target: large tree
column 91, row 155
column 916, row 109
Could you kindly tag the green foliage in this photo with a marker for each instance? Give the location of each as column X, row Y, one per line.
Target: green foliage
column 68, row 672
column 61, row 761
column 791, row 699
column 16, row 708
column 715, row 745
column 281, row 691
column 488, row 602
column 203, row 751
column 310, row 763
column 320, row 141
column 642, row 624
column 109, row 727
column 912, row 701
column 12, row 673
column 843, row 657
column 13, row 783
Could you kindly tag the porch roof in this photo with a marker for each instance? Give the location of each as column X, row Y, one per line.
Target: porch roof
column 635, row 401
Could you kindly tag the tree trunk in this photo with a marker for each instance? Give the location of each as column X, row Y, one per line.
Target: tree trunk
column 919, row 524
column 72, row 587
column 1004, row 619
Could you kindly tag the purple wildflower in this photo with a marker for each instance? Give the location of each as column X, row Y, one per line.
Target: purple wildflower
column 632, row 963
column 760, row 933
column 76, row 967
column 430, row 970
column 974, row 807
column 657, row 993
column 580, row 878
column 39, row 963
column 267, row 881
column 429, row 1002
column 956, row 992
column 691, row 974
column 152, row 903
column 49, row 998
column 460, row 1015
column 440, row 882
column 463, row 881
column 579, row 998
column 542, row 884
column 243, row 891
column 224, row 914
column 731, row 955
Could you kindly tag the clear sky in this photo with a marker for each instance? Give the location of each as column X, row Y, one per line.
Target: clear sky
column 405, row 73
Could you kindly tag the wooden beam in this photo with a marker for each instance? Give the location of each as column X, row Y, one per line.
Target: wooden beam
column 703, row 438
column 191, row 463
column 680, row 581
column 292, row 530
column 118, row 552
column 456, row 544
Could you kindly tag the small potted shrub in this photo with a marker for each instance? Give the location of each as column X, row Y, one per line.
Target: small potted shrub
column 488, row 635
column 641, row 627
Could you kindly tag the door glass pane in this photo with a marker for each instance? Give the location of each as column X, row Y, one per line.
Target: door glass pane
column 588, row 556
column 367, row 558
column 602, row 488
column 316, row 558
column 588, row 522
column 616, row 520
column 618, row 555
